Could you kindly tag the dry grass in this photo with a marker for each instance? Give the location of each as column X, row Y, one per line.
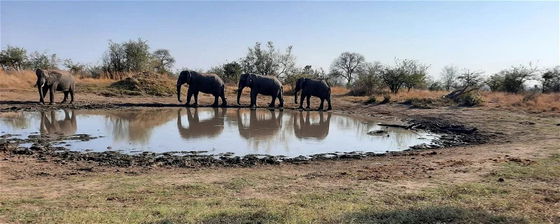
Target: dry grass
column 26, row 80
column 17, row 80
column 549, row 102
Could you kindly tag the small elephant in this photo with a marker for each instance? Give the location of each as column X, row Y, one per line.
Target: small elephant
column 259, row 84
column 311, row 87
column 54, row 81
column 206, row 83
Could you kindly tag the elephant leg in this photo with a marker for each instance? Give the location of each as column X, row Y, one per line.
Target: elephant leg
column 215, row 104
column 189, row 95
column 51, row 95
column 45, row 90
column 301, row 101
column 253, row 98
column 273, row 102
column 329, row 102
column 72, row 96
column 65, row 97
column 321, row 105
column 281, row 99
column 195, row 99
column 308, row 101
column 223, row 96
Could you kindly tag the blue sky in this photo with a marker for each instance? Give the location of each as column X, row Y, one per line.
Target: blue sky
column 487, row 36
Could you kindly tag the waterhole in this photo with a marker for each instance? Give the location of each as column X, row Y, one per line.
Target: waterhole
column 213, row 131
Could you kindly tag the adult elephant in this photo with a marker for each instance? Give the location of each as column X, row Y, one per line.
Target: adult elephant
column 206, row 83
column 311, row 87
column 266, row 85
column 51, row 81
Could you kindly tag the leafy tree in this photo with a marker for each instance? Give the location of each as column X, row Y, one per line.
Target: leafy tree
column 268, row 61
column 470, row 79
column 496, row 82
column 369, row 81
column 163, row 61
column 138, row 55
column 551, row 80
column 43, row 60
column 407, row 73
column 130, row 56
column 114, row 60
column 448, row 77
column 74, row 67
column 348, row 65
column 13, row 58
column 516, row 76
column 232, row 71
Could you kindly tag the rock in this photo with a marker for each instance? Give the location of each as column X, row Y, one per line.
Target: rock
column 500, row 179
column 377, row 132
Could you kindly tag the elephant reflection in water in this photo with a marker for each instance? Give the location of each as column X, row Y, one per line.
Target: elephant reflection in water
column 206, row 128
column 303, row 128
column 259, row 125
column 52, row 126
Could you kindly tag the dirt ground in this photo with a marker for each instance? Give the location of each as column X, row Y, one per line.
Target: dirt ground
column 513, row 178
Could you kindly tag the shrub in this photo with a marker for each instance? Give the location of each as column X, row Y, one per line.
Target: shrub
column 469, row 99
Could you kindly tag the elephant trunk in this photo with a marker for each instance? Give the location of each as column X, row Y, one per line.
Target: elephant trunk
column 179, row 93
column 239, row 91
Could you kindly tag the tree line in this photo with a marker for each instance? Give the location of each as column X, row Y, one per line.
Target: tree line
column 349, row 68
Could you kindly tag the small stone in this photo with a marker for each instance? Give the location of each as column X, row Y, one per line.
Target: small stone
column 500, row 179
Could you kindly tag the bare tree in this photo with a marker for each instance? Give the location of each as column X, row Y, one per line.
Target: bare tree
column 163, row 61
column 449, row 77
column 348, row 65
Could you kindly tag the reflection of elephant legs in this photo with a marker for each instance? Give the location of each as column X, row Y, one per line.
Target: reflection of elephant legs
column 308, row 101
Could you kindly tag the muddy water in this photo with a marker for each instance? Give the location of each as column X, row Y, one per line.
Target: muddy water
column 213, row 130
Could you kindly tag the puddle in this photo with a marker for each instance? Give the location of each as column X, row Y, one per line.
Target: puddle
column 213, row 131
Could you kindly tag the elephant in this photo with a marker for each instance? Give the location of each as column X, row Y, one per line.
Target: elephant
column 54, row 81
column 206, row 128
column 65, row 127
column 311, row 87
column 303, row 128
column 259, row 84
column 206, row 83
column 258, row 125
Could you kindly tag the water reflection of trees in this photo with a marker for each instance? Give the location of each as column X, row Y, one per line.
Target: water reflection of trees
column 15, row 119
column 309, row 126
column 51, row 126
column 196, row 128
column 136, row 125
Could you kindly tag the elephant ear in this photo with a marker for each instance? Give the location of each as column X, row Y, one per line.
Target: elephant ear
column 304, row 82
column 40, row 73
column 250, row 80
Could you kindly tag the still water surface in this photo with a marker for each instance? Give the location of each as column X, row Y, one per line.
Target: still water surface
column 215, row 130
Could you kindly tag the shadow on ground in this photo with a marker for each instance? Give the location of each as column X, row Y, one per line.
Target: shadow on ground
column 445, row 214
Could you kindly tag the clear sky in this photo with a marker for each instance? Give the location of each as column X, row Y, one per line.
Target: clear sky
column 487, row 36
